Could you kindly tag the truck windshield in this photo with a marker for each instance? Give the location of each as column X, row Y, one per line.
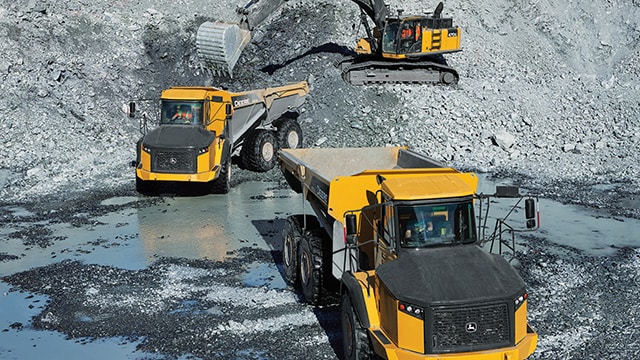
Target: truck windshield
column 181, row 112
column 432, row 225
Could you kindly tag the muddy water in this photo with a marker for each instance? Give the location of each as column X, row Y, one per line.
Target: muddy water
column 214, row 228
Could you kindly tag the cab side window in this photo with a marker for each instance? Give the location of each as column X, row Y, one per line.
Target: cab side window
column 388, row 229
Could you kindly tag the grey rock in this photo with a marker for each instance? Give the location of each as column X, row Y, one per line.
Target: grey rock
column 504, row 139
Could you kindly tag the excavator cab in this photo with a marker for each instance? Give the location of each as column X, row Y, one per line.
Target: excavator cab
column 418, row 36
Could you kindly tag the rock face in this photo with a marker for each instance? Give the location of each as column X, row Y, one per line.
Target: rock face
column 548, row 91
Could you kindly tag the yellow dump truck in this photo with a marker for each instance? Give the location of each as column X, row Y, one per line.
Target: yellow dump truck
column 397, row 231
column 201, row 128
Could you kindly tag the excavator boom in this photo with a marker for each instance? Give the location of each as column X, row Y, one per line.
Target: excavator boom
column 375, row 9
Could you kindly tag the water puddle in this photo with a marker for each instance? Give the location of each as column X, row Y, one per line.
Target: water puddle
column 24, row 342
column 119, row 200
column 215, row 227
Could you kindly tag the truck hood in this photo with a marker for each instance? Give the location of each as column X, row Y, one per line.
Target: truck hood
column 179, row 136
column 451, row 275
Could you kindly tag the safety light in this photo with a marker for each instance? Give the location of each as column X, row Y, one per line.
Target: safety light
column 520, row 300
column 412, row 310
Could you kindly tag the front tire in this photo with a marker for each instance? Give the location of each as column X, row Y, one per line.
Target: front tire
column 221, row 185
column 259, row 150
column 140, row 185
column 145, row 187
column 355, row 339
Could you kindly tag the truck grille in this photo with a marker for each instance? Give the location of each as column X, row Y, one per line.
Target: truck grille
column 179, row 162
column 470, row 329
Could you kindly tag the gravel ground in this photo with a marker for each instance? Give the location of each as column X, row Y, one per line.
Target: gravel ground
column 548, row 96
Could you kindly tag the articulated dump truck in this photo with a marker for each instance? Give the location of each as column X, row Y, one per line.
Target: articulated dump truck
column 202, row 127
column 395, row 231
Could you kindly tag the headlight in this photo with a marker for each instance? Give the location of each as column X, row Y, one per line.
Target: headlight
column 203, row 150
column 146, row 149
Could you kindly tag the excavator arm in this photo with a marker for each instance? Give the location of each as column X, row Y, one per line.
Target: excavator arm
column 255, row 12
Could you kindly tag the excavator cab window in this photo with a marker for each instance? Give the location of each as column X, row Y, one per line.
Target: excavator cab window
column 181, row 112
column 438, row 23
column 403, row 37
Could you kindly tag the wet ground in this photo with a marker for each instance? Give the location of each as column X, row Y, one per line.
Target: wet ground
column 200, row 277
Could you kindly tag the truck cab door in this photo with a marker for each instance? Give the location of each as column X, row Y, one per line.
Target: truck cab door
column 385, row 235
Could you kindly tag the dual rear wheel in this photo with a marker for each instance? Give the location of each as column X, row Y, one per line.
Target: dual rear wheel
column 260, row 148
column 304, row 265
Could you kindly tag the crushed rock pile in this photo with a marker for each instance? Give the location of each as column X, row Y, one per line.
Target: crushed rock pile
column 548, row 93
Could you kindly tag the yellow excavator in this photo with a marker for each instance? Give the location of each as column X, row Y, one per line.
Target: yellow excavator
column 397, row 48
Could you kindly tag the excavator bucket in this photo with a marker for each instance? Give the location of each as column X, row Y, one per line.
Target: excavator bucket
column 219, row 45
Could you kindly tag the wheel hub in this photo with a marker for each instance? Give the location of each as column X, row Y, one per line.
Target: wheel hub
column 292, row 139
column 267, row 151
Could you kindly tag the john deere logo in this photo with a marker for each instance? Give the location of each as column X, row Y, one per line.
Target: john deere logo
column 471, row 327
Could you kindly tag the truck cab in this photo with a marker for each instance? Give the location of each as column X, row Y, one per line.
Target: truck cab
column 437, row 291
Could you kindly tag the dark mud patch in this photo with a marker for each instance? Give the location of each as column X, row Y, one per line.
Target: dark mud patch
column 179, row 307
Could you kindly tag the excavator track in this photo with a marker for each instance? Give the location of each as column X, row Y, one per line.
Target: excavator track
column 359, row 71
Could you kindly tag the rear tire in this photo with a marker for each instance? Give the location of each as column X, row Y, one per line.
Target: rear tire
column 311, row 268
column 290, row 238
column 289, row 133
column 259, row 151
column 355, row 339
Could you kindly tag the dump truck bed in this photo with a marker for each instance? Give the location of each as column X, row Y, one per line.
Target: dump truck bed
column 341, row 178
column 329, row 163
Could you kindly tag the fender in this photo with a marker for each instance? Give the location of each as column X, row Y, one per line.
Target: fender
column 357, row 299
column 226, row 150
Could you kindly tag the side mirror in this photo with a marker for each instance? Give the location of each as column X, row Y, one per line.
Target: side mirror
column 132, row 109
column 507, row 191
column 352, row 229
column 530, row 212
